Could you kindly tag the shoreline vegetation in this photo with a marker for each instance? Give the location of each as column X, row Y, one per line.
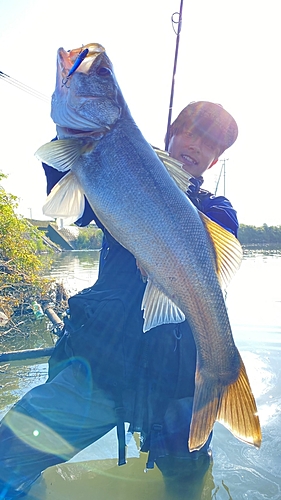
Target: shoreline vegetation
column 27, row 246
column 23, row 270
column 90, row 237
column 264, row 235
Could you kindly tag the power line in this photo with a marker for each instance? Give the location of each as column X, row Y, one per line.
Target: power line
column 21, row 86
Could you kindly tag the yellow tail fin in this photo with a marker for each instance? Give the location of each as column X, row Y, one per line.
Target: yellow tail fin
column 233, row 406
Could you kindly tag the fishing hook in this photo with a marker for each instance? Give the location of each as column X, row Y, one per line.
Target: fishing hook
column 80, row 58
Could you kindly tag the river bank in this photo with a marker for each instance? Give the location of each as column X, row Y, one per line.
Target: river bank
column 78, row 238
column 62, row 238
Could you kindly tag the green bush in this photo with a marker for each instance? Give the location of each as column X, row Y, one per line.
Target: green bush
column 249, row 235
column 90, row 238
column 20, row 266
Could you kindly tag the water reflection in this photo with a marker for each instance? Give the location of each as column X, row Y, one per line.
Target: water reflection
column 238, row 471
column 265, row 251
column 254, row 297
column 76, row 269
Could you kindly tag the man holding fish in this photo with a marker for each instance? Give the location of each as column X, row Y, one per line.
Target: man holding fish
column 150, row 343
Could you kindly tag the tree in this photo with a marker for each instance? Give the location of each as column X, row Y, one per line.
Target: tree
column 89, row 237
column 20, row 266
column 249, row 235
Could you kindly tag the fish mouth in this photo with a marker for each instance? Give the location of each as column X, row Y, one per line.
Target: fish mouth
column 95, row 134
column 76, row 105
column 66, row 59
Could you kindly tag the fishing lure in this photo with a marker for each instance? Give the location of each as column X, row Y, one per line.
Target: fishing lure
column 76, row 65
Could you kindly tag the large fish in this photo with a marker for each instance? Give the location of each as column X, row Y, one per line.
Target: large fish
column 186, row 257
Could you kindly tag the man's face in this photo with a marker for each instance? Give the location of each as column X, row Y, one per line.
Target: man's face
column 195, row 150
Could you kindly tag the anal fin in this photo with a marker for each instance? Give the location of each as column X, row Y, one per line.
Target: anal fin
column 158, row 308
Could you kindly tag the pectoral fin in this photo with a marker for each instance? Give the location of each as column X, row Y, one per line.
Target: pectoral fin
column 66, row 200
column 233, row 405
column 158, row 308
column 64, row 153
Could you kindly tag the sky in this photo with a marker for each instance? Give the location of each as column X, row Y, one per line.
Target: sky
column 229, row 53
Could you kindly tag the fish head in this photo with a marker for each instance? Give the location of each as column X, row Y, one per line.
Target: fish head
column 87, row 96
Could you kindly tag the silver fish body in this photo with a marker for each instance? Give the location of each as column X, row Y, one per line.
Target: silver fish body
column 139, row 203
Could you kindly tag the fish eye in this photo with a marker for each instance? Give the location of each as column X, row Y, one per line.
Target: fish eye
column 104, row 71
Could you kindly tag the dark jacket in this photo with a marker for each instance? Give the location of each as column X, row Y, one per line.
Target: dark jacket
column 143, row 372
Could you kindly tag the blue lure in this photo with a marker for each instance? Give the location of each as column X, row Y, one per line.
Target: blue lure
column 76, row 65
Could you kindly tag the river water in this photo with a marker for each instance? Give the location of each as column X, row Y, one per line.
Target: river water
column 239, row 471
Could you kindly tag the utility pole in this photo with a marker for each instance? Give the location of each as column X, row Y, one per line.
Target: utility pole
column 223, row 169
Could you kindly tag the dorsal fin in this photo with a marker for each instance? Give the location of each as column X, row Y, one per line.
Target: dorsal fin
column 175, row 169
column 228, row 250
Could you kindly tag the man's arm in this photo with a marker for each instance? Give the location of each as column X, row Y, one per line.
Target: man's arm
column 220, row 210
column 217, row 208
